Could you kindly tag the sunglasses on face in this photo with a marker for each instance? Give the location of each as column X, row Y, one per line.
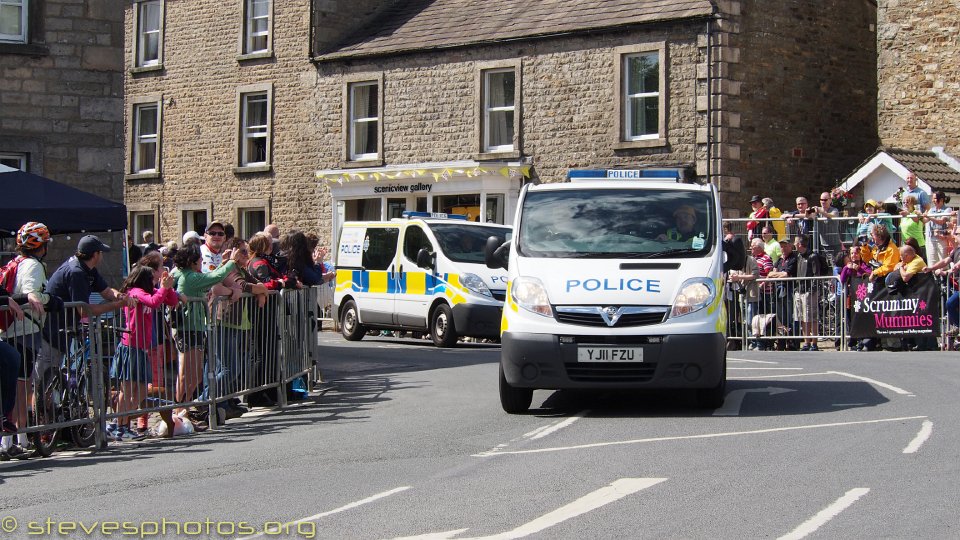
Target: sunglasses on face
column 217, row 233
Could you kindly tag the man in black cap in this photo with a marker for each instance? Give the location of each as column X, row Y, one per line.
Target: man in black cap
column 759, row 213
column 74, row 281
column 78, row 277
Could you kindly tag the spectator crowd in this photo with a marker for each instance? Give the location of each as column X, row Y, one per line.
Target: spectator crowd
column 887, row 243
column 165, row 300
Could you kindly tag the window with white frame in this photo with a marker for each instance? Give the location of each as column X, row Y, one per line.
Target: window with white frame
column 256, row 32
column 146, row 138
column 14, row 160
column 641, row 96
column 364, row 120
column 194, row 220
column 149, row 38
column 13, row 21
column 499, row 93
column 255, row 129
column 252, row 221
column 143, row 221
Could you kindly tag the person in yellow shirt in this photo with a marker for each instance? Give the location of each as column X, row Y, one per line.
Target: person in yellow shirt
column 775, row 215
column 883, row 256
column 910, row 265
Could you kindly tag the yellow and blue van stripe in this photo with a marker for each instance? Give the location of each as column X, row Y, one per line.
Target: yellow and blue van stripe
column 420, row 283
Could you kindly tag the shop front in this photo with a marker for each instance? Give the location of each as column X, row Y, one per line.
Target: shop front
column 484, row 192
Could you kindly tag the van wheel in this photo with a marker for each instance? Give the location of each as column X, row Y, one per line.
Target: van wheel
column 514, row 400
column 713, row 398
column 350, row 325
column 441, row 327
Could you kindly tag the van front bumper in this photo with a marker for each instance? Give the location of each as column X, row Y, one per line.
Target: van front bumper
column 477, row 320
column 546, row 361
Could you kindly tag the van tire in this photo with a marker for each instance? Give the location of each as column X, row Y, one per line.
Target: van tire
column 514, row 400
column 350, row 325
column 442, row 330
column 713, row 398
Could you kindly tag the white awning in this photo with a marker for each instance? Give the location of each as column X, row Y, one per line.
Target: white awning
column 433, row 171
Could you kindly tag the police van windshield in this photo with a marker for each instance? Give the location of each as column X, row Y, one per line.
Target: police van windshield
column 464, row 243
column 617, row 223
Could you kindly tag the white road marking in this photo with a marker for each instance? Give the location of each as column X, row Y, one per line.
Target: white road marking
column 558, row 426
column 926, row 429
column 343, row 508
column 750, row 361
column 874, row 382
column 702, row 436
column 764, row 369
column 826, row 514
column 601, row 497
column 777, row 376
column 734, row 400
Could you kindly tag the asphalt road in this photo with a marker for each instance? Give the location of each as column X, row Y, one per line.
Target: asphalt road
column 405, row 440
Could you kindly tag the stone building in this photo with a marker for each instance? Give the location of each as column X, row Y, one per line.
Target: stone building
column 918, row 75
column 311, row 113
column 61, row 94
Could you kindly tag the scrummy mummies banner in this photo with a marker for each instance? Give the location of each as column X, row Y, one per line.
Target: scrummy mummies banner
column 880, row 312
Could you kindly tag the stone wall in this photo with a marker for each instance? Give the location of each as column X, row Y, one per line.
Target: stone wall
column 61, row 103
column 61, row 96
column 918, row 74
column 805, row 86
column 199, row 86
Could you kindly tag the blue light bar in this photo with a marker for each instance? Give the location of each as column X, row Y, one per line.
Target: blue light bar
column 432, row 215
column 625, row 174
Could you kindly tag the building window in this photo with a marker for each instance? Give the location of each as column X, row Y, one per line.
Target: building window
column 146, row 138
column 149, row 34
column 364, row 105
column 499, row 92
column 255, row 129
column 13, row 21
column 194, row 220
column 256, row 26
column 143, row 221
column 14, row 160
column 641, row 96
column 252, row 221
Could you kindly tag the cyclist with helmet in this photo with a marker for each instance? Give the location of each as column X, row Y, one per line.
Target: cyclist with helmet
column 24, row 334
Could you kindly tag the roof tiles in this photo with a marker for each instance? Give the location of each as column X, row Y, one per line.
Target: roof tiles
column 413, row 25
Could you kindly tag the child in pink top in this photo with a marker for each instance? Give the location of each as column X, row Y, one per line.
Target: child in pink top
column 131, row 364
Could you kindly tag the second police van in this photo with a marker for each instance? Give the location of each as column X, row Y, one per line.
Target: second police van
column 615, row 281
column 420, row 273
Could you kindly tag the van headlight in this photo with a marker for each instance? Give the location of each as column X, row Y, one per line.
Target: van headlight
column 695, row 294
column 475, row 284
column 530, row 294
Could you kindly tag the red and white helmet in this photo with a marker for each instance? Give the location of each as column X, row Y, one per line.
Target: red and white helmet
column 33, row 235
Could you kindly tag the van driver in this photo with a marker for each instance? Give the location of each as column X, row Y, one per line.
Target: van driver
column 685, row 218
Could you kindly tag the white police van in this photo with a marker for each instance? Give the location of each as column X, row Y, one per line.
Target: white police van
column 420, row 273
column 615, row 281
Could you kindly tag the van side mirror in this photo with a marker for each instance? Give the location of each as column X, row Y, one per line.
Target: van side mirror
column 735, row 255
column 425, row 259
column 496, row 253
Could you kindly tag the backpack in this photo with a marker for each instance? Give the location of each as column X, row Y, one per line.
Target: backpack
column 8, row 281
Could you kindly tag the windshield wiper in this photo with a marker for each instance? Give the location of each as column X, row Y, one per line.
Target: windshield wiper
column 661, row 254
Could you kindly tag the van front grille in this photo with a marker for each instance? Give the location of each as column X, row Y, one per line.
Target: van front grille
column 613, row 372
column 619, row 316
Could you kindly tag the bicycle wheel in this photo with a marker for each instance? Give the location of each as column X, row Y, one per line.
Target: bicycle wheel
column 47, row 412
column 83, row 435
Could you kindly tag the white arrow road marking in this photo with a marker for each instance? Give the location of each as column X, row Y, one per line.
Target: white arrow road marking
column 734, row 401
column 874, row 382
column 702, row 436
column 750, row 361
column 926, row 429
column 541, row 433
column 343, row 508
column 826, row 514
column 601, row 497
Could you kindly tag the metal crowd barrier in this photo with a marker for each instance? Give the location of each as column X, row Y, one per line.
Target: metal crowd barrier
column 85, row 380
